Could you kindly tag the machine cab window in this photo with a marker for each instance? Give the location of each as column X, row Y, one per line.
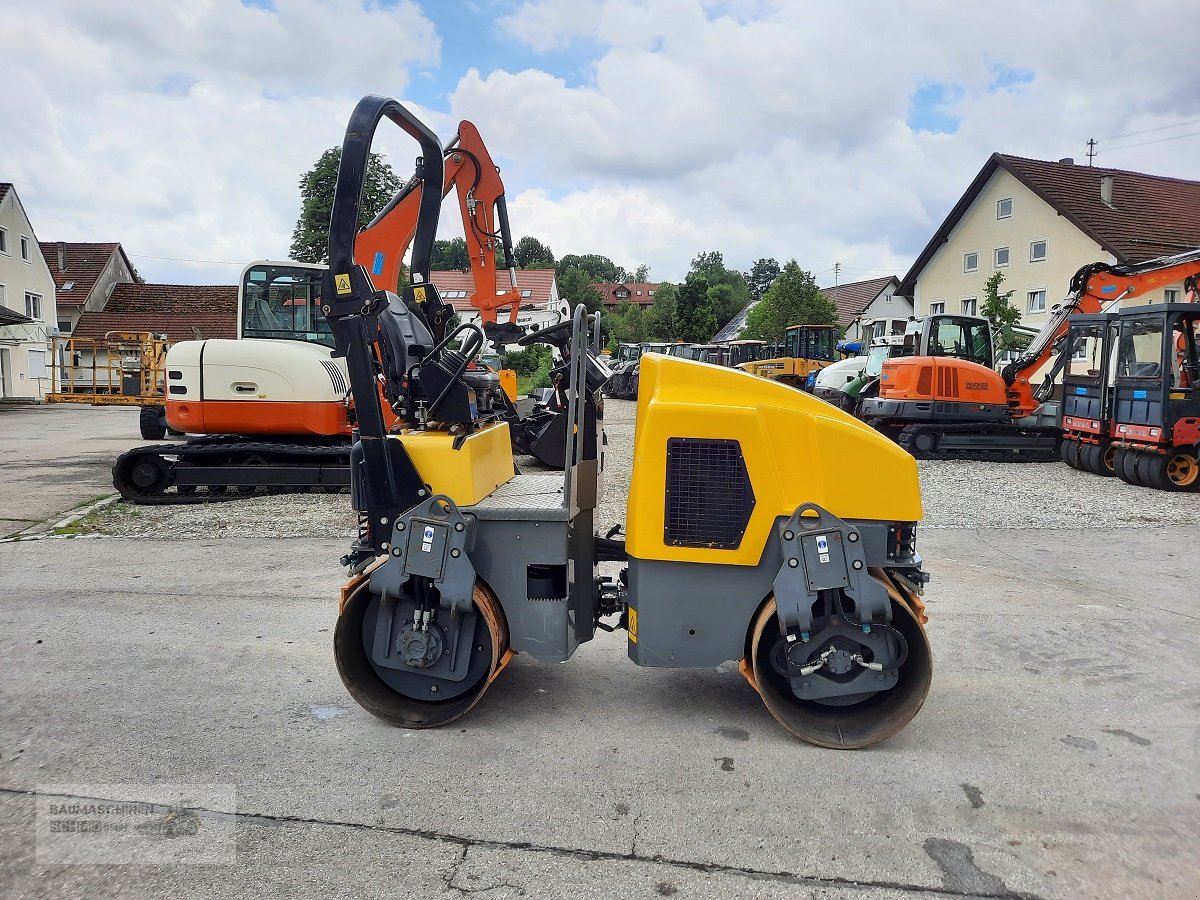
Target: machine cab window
column 283, row 302
column 962, row 338
column 1139, row 350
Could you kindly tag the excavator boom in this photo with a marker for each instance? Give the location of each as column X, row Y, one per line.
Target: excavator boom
column 471, row 173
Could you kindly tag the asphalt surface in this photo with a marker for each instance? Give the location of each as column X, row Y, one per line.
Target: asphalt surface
column 1055, row 757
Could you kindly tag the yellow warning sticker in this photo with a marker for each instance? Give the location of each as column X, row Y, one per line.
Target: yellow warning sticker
column 632, row 626
column 419, row 294
column 341, row 283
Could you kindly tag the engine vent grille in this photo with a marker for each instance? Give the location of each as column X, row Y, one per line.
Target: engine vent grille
column 709, row 497
column 335, row 375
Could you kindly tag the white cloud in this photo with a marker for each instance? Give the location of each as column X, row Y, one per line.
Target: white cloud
column 751, row 127
column 181, row 130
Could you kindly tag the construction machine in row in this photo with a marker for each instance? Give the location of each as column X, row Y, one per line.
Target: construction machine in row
column 1129, row 385
column 808, row 574
column 269, row 410
column 806, row 350
column 937, row 406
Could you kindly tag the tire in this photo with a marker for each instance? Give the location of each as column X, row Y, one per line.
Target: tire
column 1105, row 460
column 1086, row 454
column 152, row 422
column 1069, row 451
column 1125, row 465
column 1176, row 471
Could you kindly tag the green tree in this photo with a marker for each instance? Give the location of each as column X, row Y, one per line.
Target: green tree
column 450, row 255
column 575, row 286
column 626, row 324
column 694, row 319
column 794, row 299
column 533, row 254
column 998, row 309
column 310, row 239
column 660, row 317
column 596, row 267
column 640, row 275
column 727, row 289
column 761, row 276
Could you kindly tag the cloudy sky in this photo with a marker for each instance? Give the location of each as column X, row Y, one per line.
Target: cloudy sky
column 646, row 130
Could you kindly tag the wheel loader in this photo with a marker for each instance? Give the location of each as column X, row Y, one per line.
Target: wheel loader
column 762, row 526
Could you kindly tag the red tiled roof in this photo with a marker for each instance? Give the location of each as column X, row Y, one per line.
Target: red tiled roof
column 539, row 283
column 608, row 290
column 1151, row 215
column 181, row 311
column 82, row 266
column 851, row 299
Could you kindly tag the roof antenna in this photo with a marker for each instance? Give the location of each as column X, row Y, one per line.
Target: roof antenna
column 1091, row 150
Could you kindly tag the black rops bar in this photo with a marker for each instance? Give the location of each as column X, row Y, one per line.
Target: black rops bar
column 388, row 483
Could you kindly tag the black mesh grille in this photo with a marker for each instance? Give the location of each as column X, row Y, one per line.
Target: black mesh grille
column 709, row 498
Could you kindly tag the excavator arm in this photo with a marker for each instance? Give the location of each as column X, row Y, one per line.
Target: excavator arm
column 469, row 170
column 1093, row 287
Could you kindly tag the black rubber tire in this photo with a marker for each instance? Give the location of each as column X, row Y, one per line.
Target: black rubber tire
column 1125, row 466
column 1105, row 459
column 152, row 422
column 1086, row 457
column 1177, row 471
column 1069, row 451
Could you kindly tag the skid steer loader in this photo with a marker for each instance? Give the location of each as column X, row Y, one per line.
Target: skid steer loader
column 763, row 525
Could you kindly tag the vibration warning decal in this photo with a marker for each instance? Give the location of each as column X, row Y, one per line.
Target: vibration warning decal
column 419, row 294
column 632, row 626
column 342, row 283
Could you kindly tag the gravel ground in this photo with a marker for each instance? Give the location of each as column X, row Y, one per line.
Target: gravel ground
column 956, row 494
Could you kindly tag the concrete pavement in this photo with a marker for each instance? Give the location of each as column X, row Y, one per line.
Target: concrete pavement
column 1055, row 757
column 57, row 457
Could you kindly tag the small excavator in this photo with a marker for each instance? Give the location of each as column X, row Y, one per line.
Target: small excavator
column 807, row 574
column 277, row 417
column 938, row 406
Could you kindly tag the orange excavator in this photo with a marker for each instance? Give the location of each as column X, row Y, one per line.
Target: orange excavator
column 271, row 410
column 940, row 406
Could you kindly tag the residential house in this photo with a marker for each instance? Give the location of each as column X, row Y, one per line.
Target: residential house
column 861, row 301
column 182, row 312
column 540, row 304
column 28, row 313
column 1038, row 222
column 84, row 277
column 615, row 293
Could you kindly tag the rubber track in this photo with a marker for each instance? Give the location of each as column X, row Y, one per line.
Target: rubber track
column 337, row 455
column 909, row 433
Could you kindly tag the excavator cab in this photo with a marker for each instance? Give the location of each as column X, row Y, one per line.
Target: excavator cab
column 1087, row 392
column 808, row 575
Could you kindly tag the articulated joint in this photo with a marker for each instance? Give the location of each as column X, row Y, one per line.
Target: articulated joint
column 431, row 540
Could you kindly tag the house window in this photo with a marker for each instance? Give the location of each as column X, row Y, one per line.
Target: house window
column 937, row 307
column 1001, row 257
column 968, row 306
column 33, row 306
column 37, row 363
column 1037, row 301
column 1004, row 208
column 24, row 248
column 64, row 326
column 651, row 293
column 971, row 262
column 639, row 293
column 622, row 295
column 3, row 294
column 1171, row 295
column 527, row 293
column 1037, row 251
column 4, row 241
